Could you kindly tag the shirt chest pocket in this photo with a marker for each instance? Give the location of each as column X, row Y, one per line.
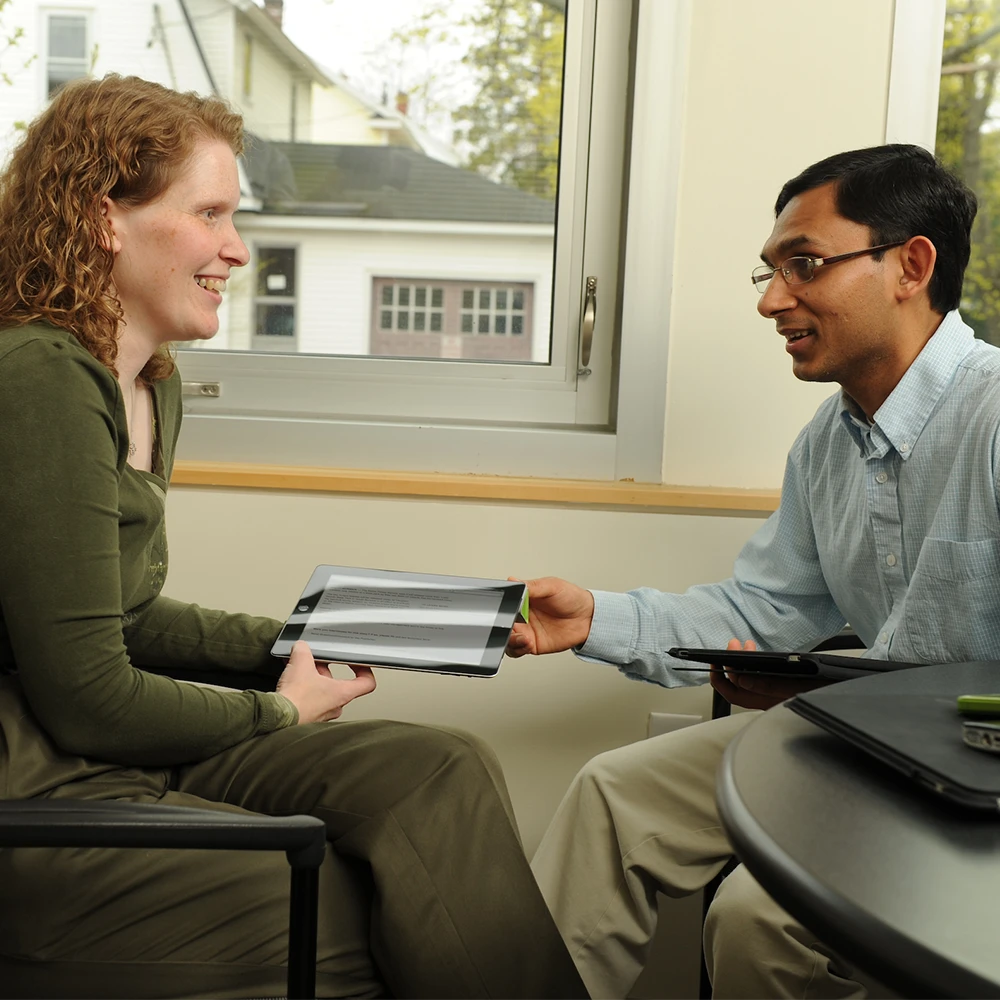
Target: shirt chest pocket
column 953, row 612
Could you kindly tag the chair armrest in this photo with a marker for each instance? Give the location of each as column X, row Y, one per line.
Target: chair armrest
column 75, row 823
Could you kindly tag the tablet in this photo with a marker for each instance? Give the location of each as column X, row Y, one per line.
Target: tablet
column 751, row 661
column 410, row 621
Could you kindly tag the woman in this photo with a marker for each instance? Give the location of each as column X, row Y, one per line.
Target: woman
column 117, row 214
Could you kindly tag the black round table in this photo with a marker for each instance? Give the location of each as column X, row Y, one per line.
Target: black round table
column 897, row 880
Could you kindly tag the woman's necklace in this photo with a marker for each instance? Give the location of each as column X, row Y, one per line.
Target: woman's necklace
column 131, row 424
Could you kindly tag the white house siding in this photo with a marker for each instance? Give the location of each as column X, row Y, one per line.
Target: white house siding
column 335, row 268
column 267, row 109
column 340, row 118
column 115, row 30
column 215, row 23
column 127, row 39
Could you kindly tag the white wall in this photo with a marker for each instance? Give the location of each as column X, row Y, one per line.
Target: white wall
column 267, row 109
column 338, row 117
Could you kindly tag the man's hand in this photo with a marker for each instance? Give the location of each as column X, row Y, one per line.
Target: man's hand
column 317, row 695
column 560, row 614
column 748, row 691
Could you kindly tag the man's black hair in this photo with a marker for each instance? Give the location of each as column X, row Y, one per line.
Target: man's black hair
column 899, row 191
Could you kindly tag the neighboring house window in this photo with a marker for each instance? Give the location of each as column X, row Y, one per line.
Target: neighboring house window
column 474, row 320
column 247, row 65
column 275, row 300
column 67, row 50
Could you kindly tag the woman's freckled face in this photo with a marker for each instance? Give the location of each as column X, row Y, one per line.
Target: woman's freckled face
column 174, row 254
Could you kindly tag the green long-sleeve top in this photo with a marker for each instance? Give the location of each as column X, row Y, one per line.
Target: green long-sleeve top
column 83, row 557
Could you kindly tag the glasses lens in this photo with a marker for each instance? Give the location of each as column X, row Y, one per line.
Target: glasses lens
column 797, row 270
column 760, row 276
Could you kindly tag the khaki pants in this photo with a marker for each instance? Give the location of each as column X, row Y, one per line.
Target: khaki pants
column 425, row 891
column 642, row 819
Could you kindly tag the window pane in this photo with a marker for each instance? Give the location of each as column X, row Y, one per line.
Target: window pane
column 275, row 321
column 441, row 183
column 67, row 37
column 276, row 271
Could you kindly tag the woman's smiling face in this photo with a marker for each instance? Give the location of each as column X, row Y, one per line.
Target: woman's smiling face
column 174, row 255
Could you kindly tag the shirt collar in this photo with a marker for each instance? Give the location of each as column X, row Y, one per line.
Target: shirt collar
column 899, row 421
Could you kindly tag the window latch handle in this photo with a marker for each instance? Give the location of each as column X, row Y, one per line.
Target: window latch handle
column 211, row 389
column 587, row 324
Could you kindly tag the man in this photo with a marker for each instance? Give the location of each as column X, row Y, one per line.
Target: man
column 888, row 520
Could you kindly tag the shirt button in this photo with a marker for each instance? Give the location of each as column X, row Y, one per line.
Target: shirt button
column 883, row 638
column 904, row 447
column 881, row 478
column 890, row 560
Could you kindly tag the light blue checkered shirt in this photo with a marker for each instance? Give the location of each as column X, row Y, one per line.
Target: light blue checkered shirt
column 892, row 526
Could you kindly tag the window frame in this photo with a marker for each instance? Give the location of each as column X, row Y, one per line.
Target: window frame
column 545, row 421
column 915, row 72
column 86, row 14
column 257, row 300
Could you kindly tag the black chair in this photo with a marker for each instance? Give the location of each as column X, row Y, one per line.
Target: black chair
column 845, row 639
column 78, row 823
column 66, row 823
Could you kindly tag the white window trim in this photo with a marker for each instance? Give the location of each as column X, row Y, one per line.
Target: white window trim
column 915, row 72
column 631, row 447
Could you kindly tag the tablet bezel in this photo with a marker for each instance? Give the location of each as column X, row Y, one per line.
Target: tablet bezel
column 493, row 651
column 747, row 661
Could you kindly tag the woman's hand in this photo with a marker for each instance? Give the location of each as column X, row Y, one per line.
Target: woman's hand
column 559, row 617
column 748, row 691
column 317, row 695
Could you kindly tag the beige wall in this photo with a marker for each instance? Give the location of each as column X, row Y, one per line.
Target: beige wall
column 733, row 410
column 773, row 86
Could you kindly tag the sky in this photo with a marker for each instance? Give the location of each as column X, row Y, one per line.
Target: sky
column 350, row 37
column 338, row 33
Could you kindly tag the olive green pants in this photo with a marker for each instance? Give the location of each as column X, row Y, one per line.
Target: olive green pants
column 425, row 891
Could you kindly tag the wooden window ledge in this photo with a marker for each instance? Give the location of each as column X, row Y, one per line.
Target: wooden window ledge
column 587, row 493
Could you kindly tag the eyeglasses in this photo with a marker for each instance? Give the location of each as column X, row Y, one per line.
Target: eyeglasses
column 799, row 270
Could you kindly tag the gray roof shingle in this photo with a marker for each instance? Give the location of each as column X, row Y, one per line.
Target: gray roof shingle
column 380, row 182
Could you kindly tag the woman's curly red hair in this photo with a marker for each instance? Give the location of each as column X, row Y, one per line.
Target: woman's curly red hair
column 118, row 137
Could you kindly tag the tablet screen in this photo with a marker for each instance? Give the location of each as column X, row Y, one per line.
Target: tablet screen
column 416, row 621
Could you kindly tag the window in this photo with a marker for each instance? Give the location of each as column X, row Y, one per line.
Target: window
column 506, row 200
column 943, row 95
column 422, row 318
column 274, row 299
column 247, row 67
column 67, row 51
